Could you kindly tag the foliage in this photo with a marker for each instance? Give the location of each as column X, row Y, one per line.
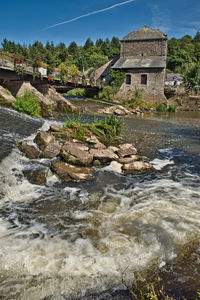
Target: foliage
column 137, row 100
column 106, row 129
column 192, row 78
column 76, row 92
column 117, row 78
column 73, row 70
column 19, row 70
column 29, row 104
column 161, row 107
column 172, row 108
column 36, row 75
column 106, row 93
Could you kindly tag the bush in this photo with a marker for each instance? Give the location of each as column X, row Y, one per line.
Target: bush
column 172, row 108
column 161, row 107
column 117, row 78
column 76, row 92
column 29, row 104
column 106, row 93
column 137, row 100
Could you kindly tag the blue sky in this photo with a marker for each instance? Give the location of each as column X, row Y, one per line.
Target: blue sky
column 24, row 20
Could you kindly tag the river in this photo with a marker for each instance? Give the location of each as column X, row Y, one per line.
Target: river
column 76, row 239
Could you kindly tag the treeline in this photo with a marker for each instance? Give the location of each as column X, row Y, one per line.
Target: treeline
column 183, row 55
column 91, row 55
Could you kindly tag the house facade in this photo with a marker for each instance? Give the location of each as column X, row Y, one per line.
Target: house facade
column 143, row 58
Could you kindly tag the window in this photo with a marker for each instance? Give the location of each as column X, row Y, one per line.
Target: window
column 128, row 79
column 144, row 79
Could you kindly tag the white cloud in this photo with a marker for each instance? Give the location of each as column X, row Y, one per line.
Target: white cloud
column 89, row 14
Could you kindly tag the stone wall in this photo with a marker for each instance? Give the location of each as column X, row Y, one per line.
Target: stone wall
column 144, row 48
column 153, row 91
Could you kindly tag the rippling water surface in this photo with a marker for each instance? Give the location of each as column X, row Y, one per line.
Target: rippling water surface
column 79, row 238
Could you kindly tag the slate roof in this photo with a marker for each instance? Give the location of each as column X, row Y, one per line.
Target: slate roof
column 145, row 33
column 138, row 63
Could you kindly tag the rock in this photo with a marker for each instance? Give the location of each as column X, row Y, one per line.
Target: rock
column 136, row 166
column 55, row 128
column 68, row 172
column 128, row 160
column 51, row 150
column 115, row 109
column 99, row 146
column 43, row 138
column 6, row 98
column 92, row 140
column 126, row 150
column 103, row 156
column 115, row 166
column 29, row 150
column 76, row 153
column 113, row 148
column 36, row 174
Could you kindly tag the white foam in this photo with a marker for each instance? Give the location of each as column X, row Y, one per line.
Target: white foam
column 158, row 164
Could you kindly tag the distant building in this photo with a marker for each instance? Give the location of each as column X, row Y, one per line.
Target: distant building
column 173, row 80
column 143, row 58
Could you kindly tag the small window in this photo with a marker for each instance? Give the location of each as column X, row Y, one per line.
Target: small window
column 128, row 79
column 144, row 79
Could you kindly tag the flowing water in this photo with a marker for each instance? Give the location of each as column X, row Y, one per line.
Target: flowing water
column 82, row 238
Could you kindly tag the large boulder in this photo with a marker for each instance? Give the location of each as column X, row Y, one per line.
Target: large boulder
column 67, row 172
column 136, row 167
column 29, row 150
column 43, row 139
column 126, row 150
column 6, row 98
column 60, row 103
column 76, row 153
column 103, row 156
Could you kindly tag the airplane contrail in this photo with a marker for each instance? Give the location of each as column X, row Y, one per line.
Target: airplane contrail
column 89, row 14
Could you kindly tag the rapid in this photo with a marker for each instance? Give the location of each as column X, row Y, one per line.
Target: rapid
column 76, row 239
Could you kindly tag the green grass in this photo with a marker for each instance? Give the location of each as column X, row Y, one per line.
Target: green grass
column 76, row 92
column 29, row 104
column 107, row 129
column 161, row 107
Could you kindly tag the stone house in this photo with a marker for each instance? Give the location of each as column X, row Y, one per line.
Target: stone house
column 143, row 58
